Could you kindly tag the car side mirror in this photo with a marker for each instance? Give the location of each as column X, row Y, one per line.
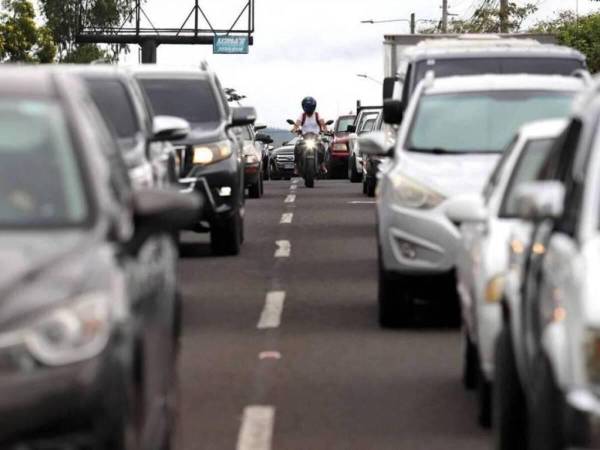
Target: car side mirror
column 468, row 208
column 158, row 211
column 243, row 116
column 168, row 128
column 393, row 112
column 351, row 129
column 329, row 123
column 291, row 122
column 540, row 200
column 259, row 127
column 389, row 84
column 374, row 144
column 264, row 138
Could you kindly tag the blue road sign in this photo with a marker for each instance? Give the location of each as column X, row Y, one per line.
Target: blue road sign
column 231, row 45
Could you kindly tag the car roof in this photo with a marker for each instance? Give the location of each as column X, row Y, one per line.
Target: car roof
column 27, row 81
column 526, row 82
column 97, row 70
column 158, row 71
column 543, row 129
column 490, row 47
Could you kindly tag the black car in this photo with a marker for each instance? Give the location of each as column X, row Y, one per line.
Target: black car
column 88, row 320
column 281, row 161
column 212, row 153
column 127, row 111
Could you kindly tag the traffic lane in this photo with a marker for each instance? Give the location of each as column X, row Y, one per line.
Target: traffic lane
column 223, row 297
column 343, row 382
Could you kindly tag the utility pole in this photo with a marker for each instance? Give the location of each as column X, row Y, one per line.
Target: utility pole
column 504, row 16
column 413, row 23
column 444, row 16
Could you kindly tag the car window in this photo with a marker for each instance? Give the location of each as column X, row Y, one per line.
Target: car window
column 192, row 99
column 344, row 123
column 497, row 173
column 368, row 125
column 364, row 117
column 40, row 178
column 245, row 133
column 114, row 103
column 528, row 168
column 480, row 121
column 493, row 65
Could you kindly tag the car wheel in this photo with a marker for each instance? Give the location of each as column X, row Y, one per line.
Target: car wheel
column 509, row 415
column 226, row 237
column 545, row 427
column 395, row 302
column 355, row 177
column 365, row 187
column 469, row 363
column 254, row 190
column 262, row 187
column 484, row 399
column 371, row 186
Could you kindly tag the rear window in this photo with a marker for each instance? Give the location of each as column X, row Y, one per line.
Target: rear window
column 344, row 123
column 192, row 99
column 495, row 65
column 114, row 103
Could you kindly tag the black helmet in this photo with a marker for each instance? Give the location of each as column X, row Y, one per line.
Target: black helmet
column 309, row 105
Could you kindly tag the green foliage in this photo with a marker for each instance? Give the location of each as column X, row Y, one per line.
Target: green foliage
column 582, row 34
column 64, row 18
column 486, row 19
column 21, row 40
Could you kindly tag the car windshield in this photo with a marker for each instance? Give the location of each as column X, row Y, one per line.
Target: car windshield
column 344, row 123
column 40, row 179
column 480, row 121
column 192, row 99
column 114, row 103
column 527, row 169
column 495, row 65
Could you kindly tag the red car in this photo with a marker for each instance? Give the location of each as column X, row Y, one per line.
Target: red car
column 338, row 153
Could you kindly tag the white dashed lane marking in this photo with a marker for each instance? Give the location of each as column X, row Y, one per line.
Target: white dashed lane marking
column 290, row 198
column 363, row 202
column 284, row 249
column 287, row 218
column 271, row 313
column 294, row 187
column 256, row 432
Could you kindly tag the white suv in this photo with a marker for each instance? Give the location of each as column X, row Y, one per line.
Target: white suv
column 451, row 138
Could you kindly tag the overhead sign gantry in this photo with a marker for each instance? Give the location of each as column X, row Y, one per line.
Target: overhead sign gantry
column 235, row 39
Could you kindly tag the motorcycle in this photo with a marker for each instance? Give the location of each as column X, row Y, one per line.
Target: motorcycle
column 309, row 154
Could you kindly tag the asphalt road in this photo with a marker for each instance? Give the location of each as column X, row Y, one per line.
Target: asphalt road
column 322, row 374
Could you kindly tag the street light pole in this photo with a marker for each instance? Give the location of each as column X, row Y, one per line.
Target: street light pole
column 444, row 16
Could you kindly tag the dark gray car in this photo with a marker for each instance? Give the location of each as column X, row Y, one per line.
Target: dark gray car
column 88, row 312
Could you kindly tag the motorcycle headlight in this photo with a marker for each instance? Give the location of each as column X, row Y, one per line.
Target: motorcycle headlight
column 412, row 194
column 211, row 153
column 310, row 144
column 71, row 333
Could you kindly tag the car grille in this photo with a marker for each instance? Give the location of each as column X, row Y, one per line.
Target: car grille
column 285, row 158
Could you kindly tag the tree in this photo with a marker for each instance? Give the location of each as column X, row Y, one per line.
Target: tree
column 21, row 39
column 582, row 34
column 486, row 19
column 65, row 17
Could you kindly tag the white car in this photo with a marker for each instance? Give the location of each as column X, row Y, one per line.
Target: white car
column 364, row 123
column 451, row 137
column 487, row 224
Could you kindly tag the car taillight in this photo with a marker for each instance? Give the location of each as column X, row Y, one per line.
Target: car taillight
column 339, row 147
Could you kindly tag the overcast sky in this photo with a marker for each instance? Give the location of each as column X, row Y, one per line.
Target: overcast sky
column 308, row 47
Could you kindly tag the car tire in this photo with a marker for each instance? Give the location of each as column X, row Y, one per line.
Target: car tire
column 509, row 407
column 226, row 237
column 371, row 186
column 254, row 190
column 353, row 174
column 365, row 187
column 469, row 363
column 394, row 301
column 545, row 425
column 484, row 399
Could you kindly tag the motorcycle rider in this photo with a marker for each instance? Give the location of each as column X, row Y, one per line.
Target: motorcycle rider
column 311, row 122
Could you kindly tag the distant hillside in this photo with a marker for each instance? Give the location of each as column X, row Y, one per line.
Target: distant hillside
column 279, row 135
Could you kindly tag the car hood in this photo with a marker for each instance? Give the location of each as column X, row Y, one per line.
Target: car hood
column 41, row 269
column 449, row 174
column 203, row 133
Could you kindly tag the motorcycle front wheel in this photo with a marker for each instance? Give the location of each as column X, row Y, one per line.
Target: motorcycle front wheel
column 309, row 174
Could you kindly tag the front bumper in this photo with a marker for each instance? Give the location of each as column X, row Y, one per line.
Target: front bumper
column 41, row 404
column 416, row 242
column 582, row 419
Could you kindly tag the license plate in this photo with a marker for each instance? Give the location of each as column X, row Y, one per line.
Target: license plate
column 289, row 166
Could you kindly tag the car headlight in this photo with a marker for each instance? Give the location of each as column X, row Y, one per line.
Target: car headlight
column 412, row 194
column 71, row 333
column 211, row 153
column 252, row 159
column 494, row 290
column 310, row 144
